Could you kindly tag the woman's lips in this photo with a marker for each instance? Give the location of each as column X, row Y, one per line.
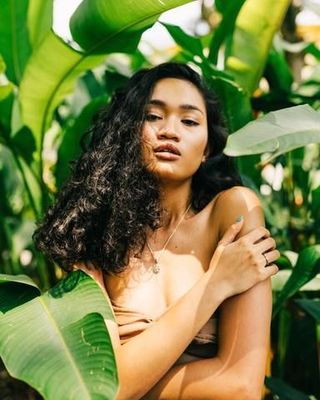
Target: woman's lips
column 166, row 155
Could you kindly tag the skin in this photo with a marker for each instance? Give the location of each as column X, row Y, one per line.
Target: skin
column 181, row 309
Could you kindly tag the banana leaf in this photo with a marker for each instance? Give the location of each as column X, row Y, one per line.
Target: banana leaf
column 307, row 267
column 229, row 11
column 39, row 20
column 277, row 132
column 49, row 76
column 247, row 51
column 58, row 342
column 113, row 26
column 188, row 43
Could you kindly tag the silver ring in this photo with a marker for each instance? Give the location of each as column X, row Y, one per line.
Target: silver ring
column 265, row 257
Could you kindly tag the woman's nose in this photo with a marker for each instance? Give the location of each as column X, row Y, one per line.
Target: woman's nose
column 168, row 130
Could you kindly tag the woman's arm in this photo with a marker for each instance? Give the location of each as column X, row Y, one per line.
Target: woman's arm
column 146, row 358
column 237, row 372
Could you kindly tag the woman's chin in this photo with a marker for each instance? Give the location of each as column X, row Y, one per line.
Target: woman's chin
column 170, row 175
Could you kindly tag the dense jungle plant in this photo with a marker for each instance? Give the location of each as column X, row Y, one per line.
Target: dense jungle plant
column 51, row 93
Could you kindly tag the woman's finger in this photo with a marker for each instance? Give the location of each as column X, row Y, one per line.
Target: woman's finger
column 256, row 234
column 272, row 256
column 265, row 245
column 231, row 233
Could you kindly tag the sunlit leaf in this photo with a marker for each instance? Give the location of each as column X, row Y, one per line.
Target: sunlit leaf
column 40, row 18
column 110, row 26
column 277, row 132
column 62, row 339
column 247, row 52
column 50, row 75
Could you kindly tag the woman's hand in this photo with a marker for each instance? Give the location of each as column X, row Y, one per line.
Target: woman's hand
column 242, row 263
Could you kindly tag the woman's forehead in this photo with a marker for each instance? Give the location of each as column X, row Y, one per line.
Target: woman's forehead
column 178, row 91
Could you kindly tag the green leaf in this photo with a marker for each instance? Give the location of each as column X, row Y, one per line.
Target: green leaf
column 187, row 42
column 247, row 52
column 307, row 267
column 62, row 339
column 16, row 290
column 312, row 307
column 40, row 17
column 276, row 132
column 113, row 26
column 230, row 11
column 278, row 73
column 234, row 102
column 14, row 43
column 24, row 143
column 49, row 76
column 283, row 390
column 69, row 148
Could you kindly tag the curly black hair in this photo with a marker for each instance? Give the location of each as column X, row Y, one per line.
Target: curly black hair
column 101, row 213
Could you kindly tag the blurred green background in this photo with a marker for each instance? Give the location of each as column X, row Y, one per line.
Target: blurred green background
column 258, row 55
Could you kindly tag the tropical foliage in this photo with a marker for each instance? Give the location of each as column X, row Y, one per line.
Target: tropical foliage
column 49, row 93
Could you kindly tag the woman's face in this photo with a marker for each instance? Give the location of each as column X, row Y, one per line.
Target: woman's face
column 174, row 132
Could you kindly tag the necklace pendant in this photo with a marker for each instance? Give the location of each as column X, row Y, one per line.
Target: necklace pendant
column 156, row 268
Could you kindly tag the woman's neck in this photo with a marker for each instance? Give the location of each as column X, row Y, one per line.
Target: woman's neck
column 175, row 199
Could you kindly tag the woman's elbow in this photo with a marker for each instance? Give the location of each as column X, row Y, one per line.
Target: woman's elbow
column 249, row 391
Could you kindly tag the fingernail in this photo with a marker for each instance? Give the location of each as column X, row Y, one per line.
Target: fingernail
column 239, row 218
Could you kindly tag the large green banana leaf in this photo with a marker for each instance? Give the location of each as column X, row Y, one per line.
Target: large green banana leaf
column 116, row 26
column 49, row 76
column 277, row 132
column 40, row 16
column 247, row 52
column 58, row 342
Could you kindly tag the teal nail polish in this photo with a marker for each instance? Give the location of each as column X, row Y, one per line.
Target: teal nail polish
column 239, row 218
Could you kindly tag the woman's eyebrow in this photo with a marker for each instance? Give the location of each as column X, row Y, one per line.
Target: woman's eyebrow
column 161, row 103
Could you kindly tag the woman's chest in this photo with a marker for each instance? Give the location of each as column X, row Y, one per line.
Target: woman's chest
column 138, row 289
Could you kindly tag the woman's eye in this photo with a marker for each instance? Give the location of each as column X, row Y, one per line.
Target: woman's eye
column 152, row 117
column 190, row 122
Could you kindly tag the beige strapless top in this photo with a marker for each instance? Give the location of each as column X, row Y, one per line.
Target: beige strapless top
column 131, row 323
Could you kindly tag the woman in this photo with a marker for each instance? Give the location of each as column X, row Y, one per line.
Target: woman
column 156, row 213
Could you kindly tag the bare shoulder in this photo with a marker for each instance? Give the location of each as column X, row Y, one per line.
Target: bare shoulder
column 236, row 201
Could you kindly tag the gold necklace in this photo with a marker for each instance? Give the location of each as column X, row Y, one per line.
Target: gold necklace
column 156, row 266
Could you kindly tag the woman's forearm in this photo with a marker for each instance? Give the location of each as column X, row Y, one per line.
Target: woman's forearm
column 205, row 379
column 146, row 358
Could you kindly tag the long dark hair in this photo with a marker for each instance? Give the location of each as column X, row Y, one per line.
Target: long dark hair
column 102, row 212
